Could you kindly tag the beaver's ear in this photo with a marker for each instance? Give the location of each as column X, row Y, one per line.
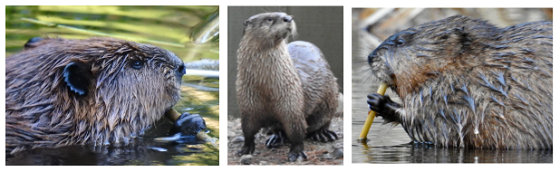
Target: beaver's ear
column 31, row 43
column 77, row 76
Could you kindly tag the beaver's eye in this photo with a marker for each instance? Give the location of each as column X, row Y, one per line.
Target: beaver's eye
column 269, row 19
column 137, row 64
column 400, row 42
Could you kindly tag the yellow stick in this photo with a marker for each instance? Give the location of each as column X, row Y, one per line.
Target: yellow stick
column 371, row 114
column 172, row 114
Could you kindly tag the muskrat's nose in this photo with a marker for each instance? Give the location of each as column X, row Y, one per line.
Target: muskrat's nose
column 287, row 19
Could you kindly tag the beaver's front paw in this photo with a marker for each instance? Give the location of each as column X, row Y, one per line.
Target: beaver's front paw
column 188, row 124
column 323, row 135
column 276, row 139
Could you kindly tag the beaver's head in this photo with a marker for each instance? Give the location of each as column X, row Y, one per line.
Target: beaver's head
column 414, row 55
column 269, row 28
column 109, row 88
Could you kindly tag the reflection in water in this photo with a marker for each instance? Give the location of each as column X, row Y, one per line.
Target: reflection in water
column 418, row 153
column 166, row 27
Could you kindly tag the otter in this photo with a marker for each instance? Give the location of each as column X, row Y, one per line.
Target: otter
column 466, row 83
column 287, row 87
column 97, row 91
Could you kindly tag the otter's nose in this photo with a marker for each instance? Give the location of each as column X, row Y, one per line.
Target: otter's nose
column 287, row 19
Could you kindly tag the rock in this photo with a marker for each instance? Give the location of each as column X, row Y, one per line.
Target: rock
column 246, row 159
column 238, row 139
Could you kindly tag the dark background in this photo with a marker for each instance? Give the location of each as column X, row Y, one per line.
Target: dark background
column 321, row 26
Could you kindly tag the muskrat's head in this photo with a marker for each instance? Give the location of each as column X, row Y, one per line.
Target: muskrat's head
column 412, row 56
column 269, row 28
column 113, row 87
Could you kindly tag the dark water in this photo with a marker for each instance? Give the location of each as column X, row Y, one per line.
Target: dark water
column 189, row 32
column 391, row 144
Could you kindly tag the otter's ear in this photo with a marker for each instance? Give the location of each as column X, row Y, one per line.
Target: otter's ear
column 246, row 22
column 77, row 76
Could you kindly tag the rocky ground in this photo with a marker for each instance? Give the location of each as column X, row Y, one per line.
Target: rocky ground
column 318, row 153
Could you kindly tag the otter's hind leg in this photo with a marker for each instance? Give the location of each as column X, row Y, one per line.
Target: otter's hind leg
column 323, row 134
column 277, row 137
column 320, row 122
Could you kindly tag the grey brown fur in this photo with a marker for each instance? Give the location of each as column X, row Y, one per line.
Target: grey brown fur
column 466, row 83
column 64, row 92
column 288, row 87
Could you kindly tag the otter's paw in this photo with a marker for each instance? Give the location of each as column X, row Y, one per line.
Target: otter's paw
column 276, row 140
column 323, row 135
column 189, row 124
column 293, row 156
column 247, row 149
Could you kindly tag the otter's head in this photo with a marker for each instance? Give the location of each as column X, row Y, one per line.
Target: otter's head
column 412, row 56
column 113, row 87
column 269, row 28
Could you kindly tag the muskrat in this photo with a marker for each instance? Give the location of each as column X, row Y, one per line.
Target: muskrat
column 96, row 91
column 288, row 87
column 466, row 83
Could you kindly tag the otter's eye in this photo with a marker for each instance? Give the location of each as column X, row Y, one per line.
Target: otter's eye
column 269, row 19
column 400, row 42
column 137, row 64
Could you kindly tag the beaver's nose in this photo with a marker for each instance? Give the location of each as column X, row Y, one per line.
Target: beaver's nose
column 287, row 19
column 181, row 70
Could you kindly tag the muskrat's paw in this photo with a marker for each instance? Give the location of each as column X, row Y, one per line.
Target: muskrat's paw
column 189, row 124
column 377, row 102
column 293, row 156
column 323, row 135
column 384, row 107
column 276, row 140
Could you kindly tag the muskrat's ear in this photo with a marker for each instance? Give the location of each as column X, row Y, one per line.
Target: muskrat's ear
column 77, row 76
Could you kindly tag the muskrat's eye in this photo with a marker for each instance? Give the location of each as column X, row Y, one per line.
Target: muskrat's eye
column 137, row 64
column 269, row 19
column 400, row 42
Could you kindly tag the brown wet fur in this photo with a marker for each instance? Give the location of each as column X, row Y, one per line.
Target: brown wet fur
column 287, row 87
column 467, row 83
column 119, row 103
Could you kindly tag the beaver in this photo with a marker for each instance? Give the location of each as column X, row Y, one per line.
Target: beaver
column 287, row 87
column 95, row 91
column 466, row 83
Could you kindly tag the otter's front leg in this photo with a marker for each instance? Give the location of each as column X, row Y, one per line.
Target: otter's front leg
column 385, row 107
column 249, row 130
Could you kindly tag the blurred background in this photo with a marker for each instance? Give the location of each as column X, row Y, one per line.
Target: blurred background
column 389, row 143
column 191, row 32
